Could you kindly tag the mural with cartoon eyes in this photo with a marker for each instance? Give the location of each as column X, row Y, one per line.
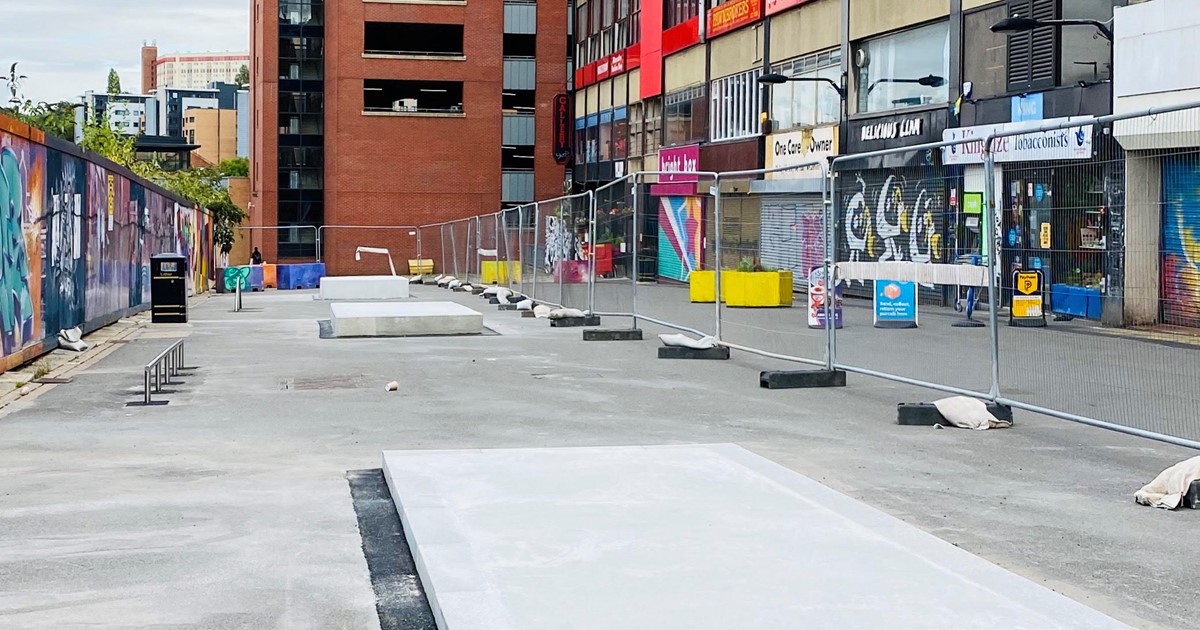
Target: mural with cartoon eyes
column 893, row 217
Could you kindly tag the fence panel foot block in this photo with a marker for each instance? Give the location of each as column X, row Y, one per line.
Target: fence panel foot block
column 671, row 352
column 926, row 414
column 1191, row 500
column 528, row 314
column 506, row 307
column 801, row 379
column 613, row 334
column 575, row 322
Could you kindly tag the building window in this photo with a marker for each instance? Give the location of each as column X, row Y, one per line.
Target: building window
column 580, row 140
column 807, row 103
column 905, row 69
column 1085, row 56
column 403, row 38
column 686, row 115
column 1033, row 55
column 680, row 11
column 620, row 134
column 386, row 95
column 637, row 133
column 735, row 106
column 653, row 129
column 301, row 12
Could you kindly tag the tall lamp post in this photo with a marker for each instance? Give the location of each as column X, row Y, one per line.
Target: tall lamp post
column 1018, row 24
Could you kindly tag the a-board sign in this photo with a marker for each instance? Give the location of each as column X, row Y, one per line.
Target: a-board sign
column 817, row 290
column 1028, row 299
column 895, row 304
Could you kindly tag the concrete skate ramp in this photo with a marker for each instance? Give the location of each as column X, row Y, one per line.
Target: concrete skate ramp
column 364, row 288
column 697, row 537
column 403, row 319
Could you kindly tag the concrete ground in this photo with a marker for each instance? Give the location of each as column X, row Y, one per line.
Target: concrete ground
column 229, row 507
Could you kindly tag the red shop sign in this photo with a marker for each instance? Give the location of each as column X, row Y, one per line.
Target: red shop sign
column 733, row 15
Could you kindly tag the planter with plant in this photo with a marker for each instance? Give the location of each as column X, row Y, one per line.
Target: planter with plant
column 753, row 284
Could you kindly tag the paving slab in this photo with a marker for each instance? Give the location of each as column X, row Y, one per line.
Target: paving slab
column 700, row 536
column 400, row 319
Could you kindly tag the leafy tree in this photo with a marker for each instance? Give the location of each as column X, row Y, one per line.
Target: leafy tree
column 114, row 82
column 235, row 167
column 243, row 76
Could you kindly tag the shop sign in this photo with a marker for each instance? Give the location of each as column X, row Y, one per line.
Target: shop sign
column 1072, row 143
column 1028, row 107
column 775, row 6
column 895, row 304
column 685, row 159
column 1027, row 299
column 602, row 69
column 733, row 15
column 616, row 64
column 817, row 290
column 818, row 144
column 893, row 129
column 894, row 132
column 561, row 140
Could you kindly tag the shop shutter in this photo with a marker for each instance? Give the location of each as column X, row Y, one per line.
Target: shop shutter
column 1033, row 56
column 1181, row 241
column 792, row 235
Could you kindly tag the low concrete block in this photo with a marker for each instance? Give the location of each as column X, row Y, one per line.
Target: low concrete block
column 400, row 319
column 673, row 352
column 575, row 322
column 926, row 414
column 801, row 379
column 364, row 288
column 613, row 334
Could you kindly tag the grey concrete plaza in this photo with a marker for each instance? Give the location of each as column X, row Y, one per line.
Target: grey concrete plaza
column 230, row 508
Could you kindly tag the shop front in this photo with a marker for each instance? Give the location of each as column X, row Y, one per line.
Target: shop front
column 1057, row 202
column 739, row 209
column 792, row 223
column 680, row 230
column 899, row 206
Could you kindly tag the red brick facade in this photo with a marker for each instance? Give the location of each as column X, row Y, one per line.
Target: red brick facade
column 407, row 169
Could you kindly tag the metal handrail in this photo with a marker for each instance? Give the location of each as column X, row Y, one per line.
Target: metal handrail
column 165, row 365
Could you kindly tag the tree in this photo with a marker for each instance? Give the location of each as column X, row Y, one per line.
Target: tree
column 235, row 167
column 243, row 76
column 57, row 119
column 114, row 82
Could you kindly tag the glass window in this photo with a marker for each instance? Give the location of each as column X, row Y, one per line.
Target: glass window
column 736, row 104
column 686, row 116
column 580, row 141
column 1085, row 56
column 606, row 132
column 620, row 136
column 807, row 103
column 905, row 69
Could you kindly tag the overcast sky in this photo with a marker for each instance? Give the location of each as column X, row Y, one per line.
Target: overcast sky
column 67, row 46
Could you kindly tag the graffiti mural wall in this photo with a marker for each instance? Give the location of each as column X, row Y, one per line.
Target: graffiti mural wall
column 892, row 215
column 77, row 237
column 680, row 237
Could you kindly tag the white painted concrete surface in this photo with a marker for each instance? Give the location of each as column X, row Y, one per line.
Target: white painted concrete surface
column 403, row 319
column 364, row 288
column 689, row 537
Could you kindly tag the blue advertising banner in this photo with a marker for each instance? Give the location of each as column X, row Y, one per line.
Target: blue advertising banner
column 895, row 304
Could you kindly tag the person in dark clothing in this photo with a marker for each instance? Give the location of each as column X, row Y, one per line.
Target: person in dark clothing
column 256, row 257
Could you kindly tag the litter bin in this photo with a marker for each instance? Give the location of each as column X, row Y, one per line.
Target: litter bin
column 168, row 289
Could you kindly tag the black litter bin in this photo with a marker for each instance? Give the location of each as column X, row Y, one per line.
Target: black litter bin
column 168, row 289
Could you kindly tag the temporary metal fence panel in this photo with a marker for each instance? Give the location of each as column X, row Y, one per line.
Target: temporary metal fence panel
column 297, row 233
column 403, row 242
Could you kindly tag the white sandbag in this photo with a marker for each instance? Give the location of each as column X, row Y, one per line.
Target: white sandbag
column 414, row 280
column 438, row 278
column 562, row 313
column 541, row 311
column 72, row 339
column 467, row 287
column 1168, row 488
column 525, row 305
column 490, row 291
column 500, row 293
column 446, row 280
column 680, row 340
column 454, row 284
column 969, row 413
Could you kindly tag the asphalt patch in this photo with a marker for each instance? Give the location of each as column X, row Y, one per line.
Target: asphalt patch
column 399, row 595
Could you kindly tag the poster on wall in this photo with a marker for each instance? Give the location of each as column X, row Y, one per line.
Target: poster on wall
column 817, row 290
column 895, row 304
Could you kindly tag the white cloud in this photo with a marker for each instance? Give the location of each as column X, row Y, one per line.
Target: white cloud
column 67, row 46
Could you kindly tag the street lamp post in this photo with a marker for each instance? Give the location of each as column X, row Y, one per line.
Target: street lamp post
column 774, row 78
column 1018, row 24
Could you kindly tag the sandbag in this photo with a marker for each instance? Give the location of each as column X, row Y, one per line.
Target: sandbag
column 541, row 311
column 454, row 284
column 969, row 413
column 525, row 305
column 680, row 340
column 562, row 313
column 72, row 339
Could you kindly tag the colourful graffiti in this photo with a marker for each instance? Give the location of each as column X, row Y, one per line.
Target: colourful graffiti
column 76, row 240
column 897, row 220
column 1181, row 245
column 792, row 237
column 680, row 237
column 561, row 243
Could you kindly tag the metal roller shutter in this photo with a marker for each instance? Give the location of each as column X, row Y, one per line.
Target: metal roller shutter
column 792, row 235
column 1181, row 241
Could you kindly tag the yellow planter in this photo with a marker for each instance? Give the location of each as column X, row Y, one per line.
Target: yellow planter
column 756, row 288
column 702, row 286
column 501, row 272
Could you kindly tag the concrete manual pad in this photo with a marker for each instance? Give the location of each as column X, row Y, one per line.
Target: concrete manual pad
column 704, row 536
column 364, row 288
column 403, row 319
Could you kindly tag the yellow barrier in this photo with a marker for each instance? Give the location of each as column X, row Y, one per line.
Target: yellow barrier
column 757, row 288
column 501, row 272
column 420, row 266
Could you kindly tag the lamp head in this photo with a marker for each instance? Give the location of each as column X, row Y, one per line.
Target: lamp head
column 772, row 78
column 1015, row 25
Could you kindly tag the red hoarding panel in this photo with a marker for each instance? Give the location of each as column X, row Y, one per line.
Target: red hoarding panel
column 651, row 48
column 681, row 36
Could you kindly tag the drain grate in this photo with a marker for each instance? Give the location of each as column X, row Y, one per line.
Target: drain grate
column 313, row 383
column 53, row 380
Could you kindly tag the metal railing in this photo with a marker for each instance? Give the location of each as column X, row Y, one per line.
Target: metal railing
column 168, row 363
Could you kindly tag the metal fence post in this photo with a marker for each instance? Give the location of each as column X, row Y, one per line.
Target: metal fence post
column 537, row 223
column 591, row 257
column 830, row 221
column 717, row 250
column 990, row 208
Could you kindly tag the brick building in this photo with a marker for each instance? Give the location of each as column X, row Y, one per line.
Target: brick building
column 394, row 114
